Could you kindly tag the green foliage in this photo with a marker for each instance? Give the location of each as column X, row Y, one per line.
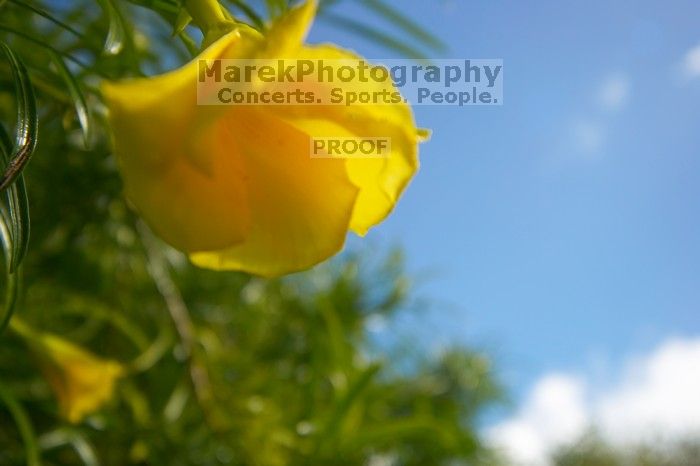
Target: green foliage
column 414, row 42
column 592, row 450
column 223, row 368
column 226, row 368
column 14, row 211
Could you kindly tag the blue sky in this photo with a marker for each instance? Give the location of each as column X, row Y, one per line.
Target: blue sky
column 563, row 228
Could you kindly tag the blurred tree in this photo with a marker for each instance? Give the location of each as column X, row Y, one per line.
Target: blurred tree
column 592, row 450
column 224, row 368
column 215, row 368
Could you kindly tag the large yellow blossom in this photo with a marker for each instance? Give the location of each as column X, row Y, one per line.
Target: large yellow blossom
column 235, row 187
column 82, row 381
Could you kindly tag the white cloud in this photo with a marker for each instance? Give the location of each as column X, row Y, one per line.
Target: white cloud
column 659, row 396
column 552, row 415
column 691, row 63
column 614, row 92
column 656, row 397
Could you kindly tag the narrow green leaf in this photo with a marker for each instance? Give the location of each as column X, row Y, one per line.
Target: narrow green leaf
column 11, row 279
column 74, row 438
column 401, row 430
column 41, row 43
column 369, row 33
column 85, row 450
column 5, row 144
column 17, row 210
column 49, row 16
column 324, row 4
column 404, row 22
column 24, row 425
column 11, row 288
column 15, row 159
column 276, row 7
column 347, row 401
column 81, row 108
column 189, row 43
column 116, row 35
column 167, row 9
column 181, row 22
column 250, row 13
column 27, row 119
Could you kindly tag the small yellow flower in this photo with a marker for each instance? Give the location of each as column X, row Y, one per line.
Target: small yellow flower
column 81, row 381
column 235, row 187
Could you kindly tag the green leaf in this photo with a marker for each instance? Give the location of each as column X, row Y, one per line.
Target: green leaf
column 5, row 145
column 181, row 22
column 250, row 13
column 402, row 430
column 14, row 230
column 323, row 4
column 74, row 438
column 114, row 43
column 161, row 6
column 24, row 425
column 276, row 7
column 49, row 16
column 12, row 282
column 41, row 43
column 367, row 32
column 346, row 402
column 17, row 211
column 81, row 108
column 27, row 120
column 15, row 159
column 405, row 23
column 189, row 44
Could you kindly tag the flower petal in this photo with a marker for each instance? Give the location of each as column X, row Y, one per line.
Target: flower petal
column 300, row 207
column 188, row 193
column 81, row 381
column 381, row 181
column 236, row 187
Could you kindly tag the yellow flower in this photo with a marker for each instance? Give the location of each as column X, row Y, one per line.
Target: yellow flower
column 235, row 186
column 81, row 381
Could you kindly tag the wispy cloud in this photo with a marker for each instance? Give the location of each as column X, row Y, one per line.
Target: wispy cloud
column 657, row 398
column 587, row 134
column 614, row 92
column 691, row 63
